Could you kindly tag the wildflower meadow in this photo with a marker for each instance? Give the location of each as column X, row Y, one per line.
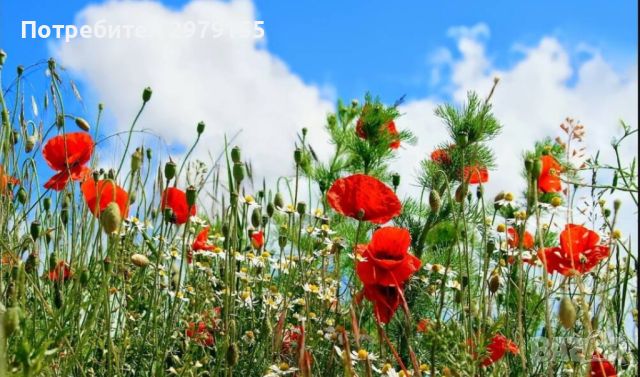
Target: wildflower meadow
column 164, row 265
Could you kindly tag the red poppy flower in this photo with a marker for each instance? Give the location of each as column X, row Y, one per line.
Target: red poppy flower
column 549, row 179
column 257, row 240
column 176, row 199
column 6, row 180
column 67, row 154
column 513, row 239
column 475, row 174
column 291, row 339
column 441, row 156
column 200, row 333
column 391, row 129
column 359, row 192
column 496, row 349
column 385, row 300
column 202, row 241
column 387, row 261
column 61, row 271
column 601, row 367
column 98, row 195
column 578, row 253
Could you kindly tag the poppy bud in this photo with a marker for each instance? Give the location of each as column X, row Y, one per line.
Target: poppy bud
column 297, row 156
column 3, row 57
column 31, row 264
column 282, row 241
column 82, row 124
column 169, row 170
column 528, row 165
column 29, row 144
column 111, row 174
column 567, row 313
column 461, row 192
column 64, row 216
column 479, row 192
column 140, row 260
column 617, row 204
column 301, row 208
column 146, row 94
column 100, row 106
column 236, row 156
column 270, row 209
column 192, row 195
column 46, row 204
column 238, row 172
column 225, row 230
column 200, row 128
column 168, row 215
column 149, row 153
column 35, row 230
column 20, row 70
column 463, row 139
column 15, row 137
column 491, row 246
column 232, row 354
column 537, row 168
column 110, row 218
column 278, row 201
column 11, row 320
column 494, row 283
column 22, row 196
column 136, row 160
column 60, row 120
column 434, row 201
column 265, row 220
column 395, row 180
column 606, row 212
column 256, row 217
column 132, row 197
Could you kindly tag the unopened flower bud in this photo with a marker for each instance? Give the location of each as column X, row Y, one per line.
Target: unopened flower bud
column 192, row 196
column 146, row 94
column 168, row 215
column 46, row 204
column 136, row 160
column 567, row 313
column 110, row 218
column 256, row 217
column 35, row 230
column 461, row 192
column 30, row 143
column 494, row 283
column 140, row 260
column 169, row 170
column 200, row 128
column 232, row 354
column 617, row 204
column 537, row 168
column 301, row 208
column 528, row 165
column 82, row 124
column 434, row 201
column 297, row 156
column 238, row 172
column 270, row 209
column 64, row 216
column 60, row 121
column 236, row 156
column 278, row 201
column 479, row 191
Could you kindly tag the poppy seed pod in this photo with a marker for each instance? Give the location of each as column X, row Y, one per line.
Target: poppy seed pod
column 567, row 313
column 528, row 165
column 236, row 156
column 256, row 217
column 282, row 241
column 169, row 170
column 192, row 196
column 434, row 201
column 110, row 218
column 238, row 172
column 200, row 127
column 22, row 196
column 278, row 201
column 617, row 204
column 146, row 94
column 82, row 124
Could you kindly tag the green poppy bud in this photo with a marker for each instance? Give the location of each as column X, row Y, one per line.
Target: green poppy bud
column 136, row 160
column 238, row 172
column 35, row 230
column 82, row 124
column 567, row 313
column 528, row 165
column 149, row 153
column 60, row 120
column 256, row 217
column 537, row 168
column 3, row 57
column 617, row 204
column 64, row 216
column 20, row 70
column 169, row 170
column 278, row 201
column 297, row 156
column 200, row 128
column 46, row 204
column 395, row 180
column 29, row 144
column 146, row 94
column 140, row 260
column 192, row 196
column 270, row 209
column 301, row 208
column 236, row 156
column 282, row 241
column 110, row 218
column 434, row 201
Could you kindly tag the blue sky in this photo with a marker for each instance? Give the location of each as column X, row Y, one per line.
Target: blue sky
column 382, row 46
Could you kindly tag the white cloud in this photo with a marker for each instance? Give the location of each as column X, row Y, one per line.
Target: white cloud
column 231, row 83
column 534, row 96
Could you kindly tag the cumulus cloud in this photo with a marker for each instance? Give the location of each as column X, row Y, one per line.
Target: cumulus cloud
column 231, row 82
column 534, row 96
